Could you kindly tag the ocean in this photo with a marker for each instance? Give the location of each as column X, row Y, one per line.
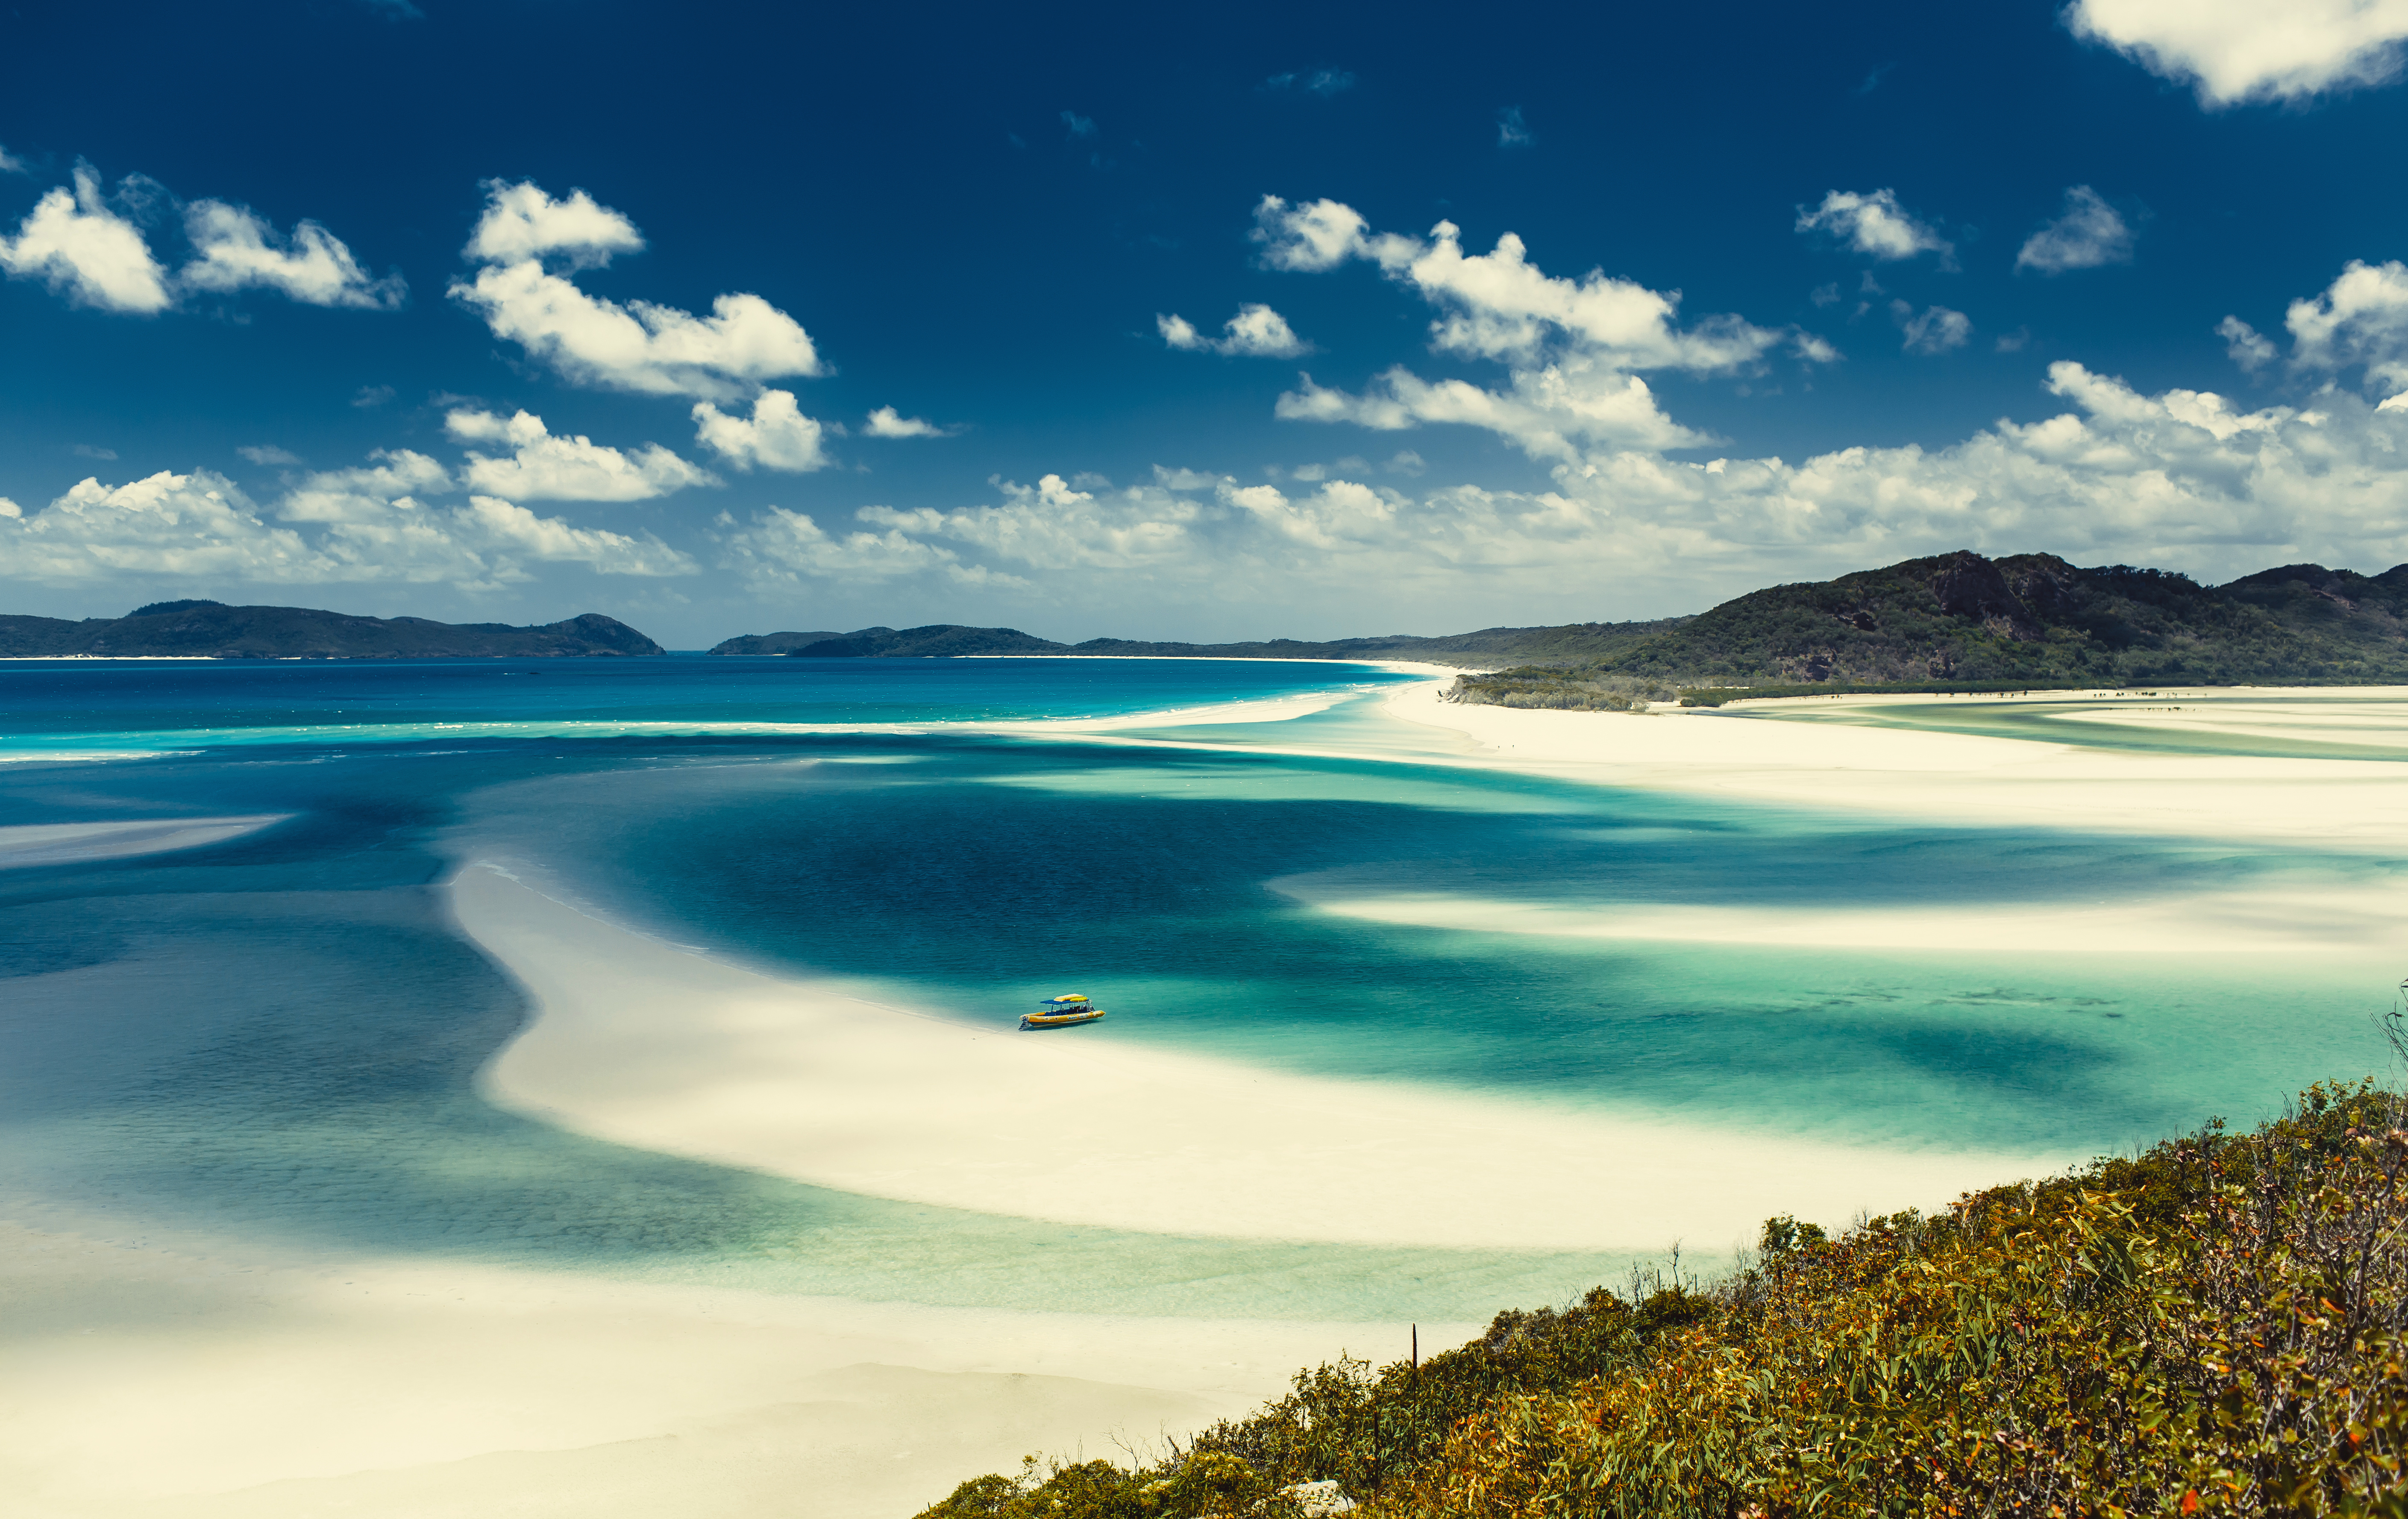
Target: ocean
column 276, row 1037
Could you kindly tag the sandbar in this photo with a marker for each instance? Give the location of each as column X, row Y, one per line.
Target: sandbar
column 67, row 844
column 643, row 1043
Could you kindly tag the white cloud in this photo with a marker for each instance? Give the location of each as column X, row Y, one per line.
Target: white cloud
column 522, row 223
column 1321, row 234
column 372, row 395
column 1571, row 346
column 93, row 450
column 776, row 437
column 267, row 454
column 1340, row 516
column 779, row 549
column 1081, row 127
column 2243, row 343
column 1051, row 525
column 1511, row 132
column 2088, row 234
column 1876, row 225
column 86, row 250
column 363, row 524
column 199, row 525
column 512, row 532
column 542, row 467
column 1255, row 332
column 2360, row 319
column 1935, row 330
column 655, row 350
column 237, row 249
column 2232, row 51
column 11, row 164
column 888, row 423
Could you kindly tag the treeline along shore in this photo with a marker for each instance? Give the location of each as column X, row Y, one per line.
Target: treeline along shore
column 1956, row 622
column 2216, row 1326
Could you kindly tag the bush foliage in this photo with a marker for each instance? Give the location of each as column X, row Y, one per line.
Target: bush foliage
column 2216, row 1326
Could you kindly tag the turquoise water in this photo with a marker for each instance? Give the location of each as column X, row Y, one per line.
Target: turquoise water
column 275, row 1036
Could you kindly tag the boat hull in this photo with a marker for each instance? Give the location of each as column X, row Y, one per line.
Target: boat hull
column 1060, row 1020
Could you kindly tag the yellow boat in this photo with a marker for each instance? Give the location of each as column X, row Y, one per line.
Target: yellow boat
column 1062, row 1012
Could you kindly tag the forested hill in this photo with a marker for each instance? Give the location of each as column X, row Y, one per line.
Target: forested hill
column 2031, row 619
column 1576, row 641
column 210, row 629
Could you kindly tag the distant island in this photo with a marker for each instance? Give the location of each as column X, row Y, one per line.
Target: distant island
column 942, row 640
column 212, row 630
column 1956, row 622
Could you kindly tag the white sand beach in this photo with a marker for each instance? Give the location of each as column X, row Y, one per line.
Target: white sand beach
column 204, row 1380
column 1778, row 751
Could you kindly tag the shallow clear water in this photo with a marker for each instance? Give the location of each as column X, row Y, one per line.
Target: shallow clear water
column 275, row 1036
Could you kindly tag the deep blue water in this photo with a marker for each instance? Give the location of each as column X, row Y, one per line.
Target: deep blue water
column 276, row 1037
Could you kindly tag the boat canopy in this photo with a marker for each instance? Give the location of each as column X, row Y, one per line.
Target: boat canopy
column 1066, row 997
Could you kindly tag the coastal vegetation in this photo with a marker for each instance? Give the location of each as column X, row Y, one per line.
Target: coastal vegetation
column 2218, row 1325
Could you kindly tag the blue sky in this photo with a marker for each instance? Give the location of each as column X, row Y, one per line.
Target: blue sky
column 1211, row 323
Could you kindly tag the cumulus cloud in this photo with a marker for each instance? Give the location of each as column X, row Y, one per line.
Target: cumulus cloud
column 888, row 423
column 90, row 249
column 2180, row 478
column 2088, row 234
column 2361, row 319
column 522, row 223
column 1255, row 332
column 1876, row 225
column 2234, row 51
column 362, row 524
column 370, row 523
column 779, row 549
column 654, row 349
column 1936, row 329
column 1572, row 347
column 234, row 248
column 1321, row 234
column 2244, row 344
column 542, row 467
column 777, row 435
column 87, row 251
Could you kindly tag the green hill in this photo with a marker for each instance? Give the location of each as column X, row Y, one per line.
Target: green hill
column 212, row 630
column 2029, row 620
